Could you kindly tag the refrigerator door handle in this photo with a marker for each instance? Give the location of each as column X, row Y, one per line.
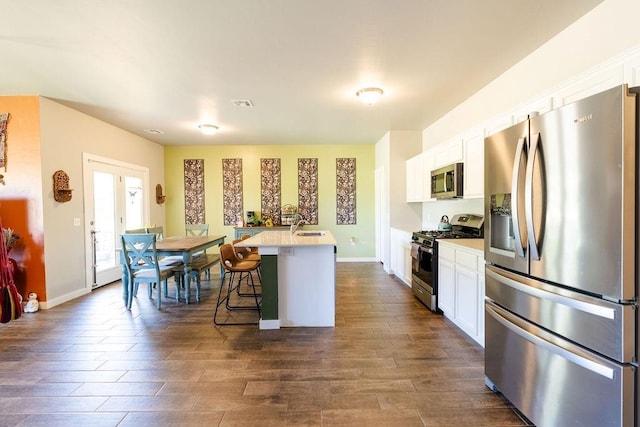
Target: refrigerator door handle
column 514, row 197
column 512, row 324
column 576, row 304
column 528, row 201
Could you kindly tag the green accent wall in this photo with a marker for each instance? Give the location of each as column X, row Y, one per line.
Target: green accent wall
column 269, row 266
column 363, row 231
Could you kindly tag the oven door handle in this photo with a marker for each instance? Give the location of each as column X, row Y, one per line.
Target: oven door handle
column 426, row 249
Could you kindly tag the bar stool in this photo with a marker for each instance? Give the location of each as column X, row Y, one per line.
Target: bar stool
column 252, row 252
column 246, row 254
column 237, row 270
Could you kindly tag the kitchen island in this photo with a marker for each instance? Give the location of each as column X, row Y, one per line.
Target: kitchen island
column 298, row 277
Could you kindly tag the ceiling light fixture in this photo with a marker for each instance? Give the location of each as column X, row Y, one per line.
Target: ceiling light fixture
column 369, row 95
column 208, row 129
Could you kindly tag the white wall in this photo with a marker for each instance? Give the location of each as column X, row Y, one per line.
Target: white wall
column 599, row 51
column 607, row 32
column 65, row 135
column 391, row 152
column 403, row 145
column 433, row 211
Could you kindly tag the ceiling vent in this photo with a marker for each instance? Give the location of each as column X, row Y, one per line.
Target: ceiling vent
column 154, row 131
column 242, row 103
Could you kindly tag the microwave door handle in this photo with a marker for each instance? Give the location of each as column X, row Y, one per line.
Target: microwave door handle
column 514, row 197
column 528, row 201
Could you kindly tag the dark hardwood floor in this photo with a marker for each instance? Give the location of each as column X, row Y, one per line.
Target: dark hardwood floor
column 388, row 362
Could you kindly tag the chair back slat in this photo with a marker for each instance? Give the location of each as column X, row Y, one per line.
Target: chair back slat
column 196, row 229
column 136, row 231
column 140, row 252
column 158, row 231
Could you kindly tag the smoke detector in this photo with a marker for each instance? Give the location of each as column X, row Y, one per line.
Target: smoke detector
column 154, row 131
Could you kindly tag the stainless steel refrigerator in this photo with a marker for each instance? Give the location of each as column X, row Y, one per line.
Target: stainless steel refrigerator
column 561, row 246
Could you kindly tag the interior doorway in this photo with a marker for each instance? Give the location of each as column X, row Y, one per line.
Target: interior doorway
column 116, row 199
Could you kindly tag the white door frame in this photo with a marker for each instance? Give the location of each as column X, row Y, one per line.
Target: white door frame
column 88, row 163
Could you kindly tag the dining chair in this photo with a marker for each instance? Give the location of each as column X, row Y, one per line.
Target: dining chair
column 136, row 231
column 140, row 257
column 200, row 264
column 235, row 271
column 201, row 261
column 174, row 260
column 196, row 230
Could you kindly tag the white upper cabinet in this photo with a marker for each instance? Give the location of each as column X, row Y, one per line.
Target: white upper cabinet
column 414, row 181
column 427, row 167
column 448, row 153
column 473, row 166
column 419, row 177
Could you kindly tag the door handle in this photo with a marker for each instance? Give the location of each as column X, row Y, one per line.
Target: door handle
column 528, row 201
column 514, row 197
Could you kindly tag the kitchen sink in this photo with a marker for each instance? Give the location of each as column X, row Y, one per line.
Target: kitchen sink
column 310, row 233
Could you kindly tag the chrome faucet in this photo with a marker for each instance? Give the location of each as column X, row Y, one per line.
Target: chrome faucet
column 295, row 226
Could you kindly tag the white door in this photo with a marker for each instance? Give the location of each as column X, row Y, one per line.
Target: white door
column 115, row 200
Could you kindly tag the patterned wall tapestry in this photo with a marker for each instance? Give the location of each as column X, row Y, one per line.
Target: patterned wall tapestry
column 308, row 190
column 232, row 191
column 194, row 191
column 346, row 191
column 4, row 119
column 270, row 186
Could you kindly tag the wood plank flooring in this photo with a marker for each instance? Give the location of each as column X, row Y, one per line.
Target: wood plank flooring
column 388, row 362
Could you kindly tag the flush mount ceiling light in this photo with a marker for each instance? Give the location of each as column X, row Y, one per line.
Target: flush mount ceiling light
column 369, row 95
column 208, row 129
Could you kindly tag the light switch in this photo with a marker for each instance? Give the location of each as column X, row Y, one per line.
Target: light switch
column 76, row 222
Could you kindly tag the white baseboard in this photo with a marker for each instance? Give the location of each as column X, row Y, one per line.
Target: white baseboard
column 356, row 260
column 270, row 324
column 64, row 298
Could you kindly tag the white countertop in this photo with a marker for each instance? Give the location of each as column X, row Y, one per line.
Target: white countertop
column 476, row 244
column 285, row 238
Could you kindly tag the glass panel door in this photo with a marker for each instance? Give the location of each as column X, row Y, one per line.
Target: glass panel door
column 104, row 229
column 115, row 201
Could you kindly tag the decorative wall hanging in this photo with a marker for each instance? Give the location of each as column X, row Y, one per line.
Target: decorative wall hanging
column 193, row 191
column 4, row 119
column 61, row 190
column 232, row 191
column 308, row 190
column 160, row 198
column 270, row 189
column 346, row 191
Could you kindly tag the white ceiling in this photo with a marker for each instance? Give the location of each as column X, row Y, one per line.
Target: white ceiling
column 170, row 65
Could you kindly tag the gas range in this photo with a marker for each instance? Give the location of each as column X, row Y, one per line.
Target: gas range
column 463, row 226
column 424, row 255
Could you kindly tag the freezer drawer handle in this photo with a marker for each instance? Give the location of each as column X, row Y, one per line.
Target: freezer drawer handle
column 594, row 309
column 514, row 197
column 572, row 357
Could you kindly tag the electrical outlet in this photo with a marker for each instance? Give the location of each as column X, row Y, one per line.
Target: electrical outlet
column 76, row 222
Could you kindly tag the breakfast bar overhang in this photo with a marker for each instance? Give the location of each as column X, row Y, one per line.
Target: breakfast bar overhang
column 298, row 278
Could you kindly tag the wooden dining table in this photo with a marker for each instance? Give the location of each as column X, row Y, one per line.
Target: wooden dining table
column 184, row 246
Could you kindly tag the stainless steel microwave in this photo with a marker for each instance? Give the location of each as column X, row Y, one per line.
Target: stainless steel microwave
column 446, row 182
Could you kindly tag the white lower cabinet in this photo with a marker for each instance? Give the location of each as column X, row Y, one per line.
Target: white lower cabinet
column 446, row 285
column 461, row 287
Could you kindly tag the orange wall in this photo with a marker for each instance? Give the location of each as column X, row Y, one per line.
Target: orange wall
column 21, row 195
